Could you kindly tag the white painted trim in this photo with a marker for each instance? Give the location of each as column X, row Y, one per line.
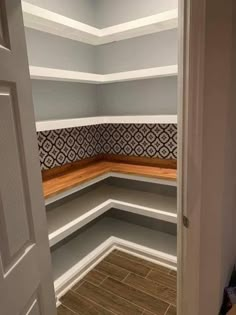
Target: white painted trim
column 98, row 179
column 88, row 121
column 191, row 88
column 51, row 22
column 42, row 73
column 79, row 271
column 74, row 225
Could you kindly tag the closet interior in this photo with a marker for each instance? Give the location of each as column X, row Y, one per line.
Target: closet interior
column 104, row 80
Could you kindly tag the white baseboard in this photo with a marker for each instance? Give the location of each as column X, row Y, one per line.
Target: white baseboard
column 79, row 271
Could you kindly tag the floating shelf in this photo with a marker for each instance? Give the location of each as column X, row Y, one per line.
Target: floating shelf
column 73, row 259
column 77, row 178
column 88, row 121
column 53, row 23
column 42, row 73
column 74, row 214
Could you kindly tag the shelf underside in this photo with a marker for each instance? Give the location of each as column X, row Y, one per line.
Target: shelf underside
column 89, row 121
column 56, row 24
column 73, row 257
column 72, row 215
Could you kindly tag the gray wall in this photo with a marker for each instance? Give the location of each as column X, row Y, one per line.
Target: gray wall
column 102, row 13
column 80, row 10
column 47, row 50
column 144, row 97
column 154, row 50
column 142, row 52
column 110, row 12
column 54, row 100
column 58, row 100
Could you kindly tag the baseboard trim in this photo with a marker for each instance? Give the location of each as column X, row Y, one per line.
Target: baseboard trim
column 79, row 271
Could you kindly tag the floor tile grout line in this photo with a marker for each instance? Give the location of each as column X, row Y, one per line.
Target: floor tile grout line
column 141, row 308
column 130, row 261
column 86, row 298
column 143, row 264
column 148, row 274
column 126, row 277
column 167, row 310
column 168, row 303
column 156, row 297
column 103, row 281
column 116, row 265
column 70, row 309
column 78, row 285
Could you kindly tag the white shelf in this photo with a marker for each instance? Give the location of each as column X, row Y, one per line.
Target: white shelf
column 53, row 23
column 88, row 121
column 72, row 259
column 72, row 215
column 42, row 73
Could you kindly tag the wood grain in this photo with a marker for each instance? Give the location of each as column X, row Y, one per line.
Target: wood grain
column 143, row 262
column 163, row 279
column 58, row 180
column 135, row 296
column 93, row 276
column 127, row 264
column 108, row 300
column 172, row 311
column 62, row 310
column 112, row 270
column 114, row 290
column 160, row 291
column 81, row 305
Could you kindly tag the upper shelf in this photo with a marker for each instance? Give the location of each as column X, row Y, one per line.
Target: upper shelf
column 89, row 121
column 42, row 73
column 53, row 23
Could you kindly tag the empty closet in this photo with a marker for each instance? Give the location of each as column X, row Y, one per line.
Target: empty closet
column 104, row 80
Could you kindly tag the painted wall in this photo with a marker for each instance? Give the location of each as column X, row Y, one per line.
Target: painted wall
column 148, row 51
column 51, row 51
column 58, row 100
column 80, row 10
column 144, row 97
column 110, row 12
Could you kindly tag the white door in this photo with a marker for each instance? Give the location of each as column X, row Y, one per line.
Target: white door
column 26, row 285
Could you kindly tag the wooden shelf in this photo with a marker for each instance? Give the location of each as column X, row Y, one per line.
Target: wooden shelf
column 77, row 177
column 88, row 121
column 79, row 254
column 74, row 214
column 51, row 74
column 56, row 24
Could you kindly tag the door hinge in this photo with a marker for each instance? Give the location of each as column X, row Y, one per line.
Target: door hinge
column 185, row 222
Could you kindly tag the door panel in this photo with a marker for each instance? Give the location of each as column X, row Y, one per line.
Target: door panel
column 14, row 230
column 26, row 285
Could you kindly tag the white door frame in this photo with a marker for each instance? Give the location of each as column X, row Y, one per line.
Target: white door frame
column 190, row 112
column 206, row 155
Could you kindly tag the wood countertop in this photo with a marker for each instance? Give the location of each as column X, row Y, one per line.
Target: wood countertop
column 77, row 174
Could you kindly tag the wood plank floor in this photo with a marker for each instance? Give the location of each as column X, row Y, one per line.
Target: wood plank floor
column 123, row 284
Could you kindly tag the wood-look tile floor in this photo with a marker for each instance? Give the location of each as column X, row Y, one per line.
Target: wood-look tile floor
column 123, row 284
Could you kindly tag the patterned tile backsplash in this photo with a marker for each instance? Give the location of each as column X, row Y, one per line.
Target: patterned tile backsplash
column 58, row 147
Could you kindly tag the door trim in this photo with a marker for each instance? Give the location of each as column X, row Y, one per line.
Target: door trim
column 190, row 135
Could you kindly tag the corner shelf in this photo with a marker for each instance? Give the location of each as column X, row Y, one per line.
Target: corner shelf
column 74, row 214
column 89, row 121
column 76, row 177
column 75, row 258
column 42, row 73
column 50, row 22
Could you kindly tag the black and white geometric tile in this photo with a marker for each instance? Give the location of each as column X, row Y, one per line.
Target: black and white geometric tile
column 59, row 147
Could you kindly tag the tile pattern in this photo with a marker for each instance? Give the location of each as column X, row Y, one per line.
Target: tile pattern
column 59, row 147
column 122, row 285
